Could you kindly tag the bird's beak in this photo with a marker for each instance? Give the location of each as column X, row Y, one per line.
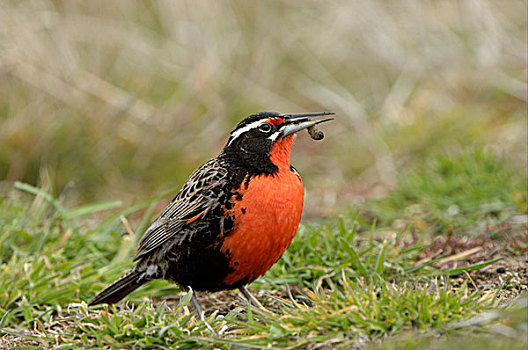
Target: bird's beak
column 298, row 122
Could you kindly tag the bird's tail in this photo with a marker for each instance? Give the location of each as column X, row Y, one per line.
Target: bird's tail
column 119, row 289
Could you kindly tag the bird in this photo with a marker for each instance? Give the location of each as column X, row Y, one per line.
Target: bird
column 232, row 219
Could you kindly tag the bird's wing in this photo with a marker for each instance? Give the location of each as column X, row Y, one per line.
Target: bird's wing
column 197, row 196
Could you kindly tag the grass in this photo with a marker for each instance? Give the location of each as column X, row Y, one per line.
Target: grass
column 343, row 282
column 468, row 189
column 414, row 230
column 490, row 330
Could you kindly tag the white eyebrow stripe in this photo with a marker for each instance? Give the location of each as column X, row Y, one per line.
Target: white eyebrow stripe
column 273, row 136
column 239, row 132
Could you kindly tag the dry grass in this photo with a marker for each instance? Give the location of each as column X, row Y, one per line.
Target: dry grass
column 120, row 99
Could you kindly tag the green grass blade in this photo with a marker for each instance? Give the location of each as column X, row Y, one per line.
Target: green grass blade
column 371, row 236
column 92, row 208
column 356, row 261
column 132, row 209
column 38, row 192
column 473, row 267
column 381, row 259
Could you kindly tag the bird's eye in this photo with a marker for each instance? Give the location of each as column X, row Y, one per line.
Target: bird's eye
column 265, row 127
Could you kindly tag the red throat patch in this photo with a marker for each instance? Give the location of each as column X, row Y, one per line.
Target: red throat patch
column 280, row 152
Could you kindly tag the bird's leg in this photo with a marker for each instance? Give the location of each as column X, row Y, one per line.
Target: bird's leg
column 197, row 307
column 199, row 311
column 251, row 299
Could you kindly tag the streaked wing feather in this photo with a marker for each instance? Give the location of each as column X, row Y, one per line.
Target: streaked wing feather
column 195, row 197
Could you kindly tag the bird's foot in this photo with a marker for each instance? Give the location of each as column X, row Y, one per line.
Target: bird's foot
column 200, row 312
column 251, row 299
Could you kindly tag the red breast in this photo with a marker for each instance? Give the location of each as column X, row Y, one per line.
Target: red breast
column 266, row 219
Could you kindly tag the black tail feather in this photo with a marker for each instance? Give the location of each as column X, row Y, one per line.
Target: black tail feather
column 119, row 289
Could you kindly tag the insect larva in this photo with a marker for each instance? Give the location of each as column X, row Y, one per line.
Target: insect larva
column 315, row 134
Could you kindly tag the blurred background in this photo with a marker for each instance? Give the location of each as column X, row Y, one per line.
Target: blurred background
column 122, row 100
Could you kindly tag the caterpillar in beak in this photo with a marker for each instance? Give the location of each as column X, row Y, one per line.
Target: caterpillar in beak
column 315, row 133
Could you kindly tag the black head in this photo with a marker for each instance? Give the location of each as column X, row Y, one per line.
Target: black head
column 253, row 138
